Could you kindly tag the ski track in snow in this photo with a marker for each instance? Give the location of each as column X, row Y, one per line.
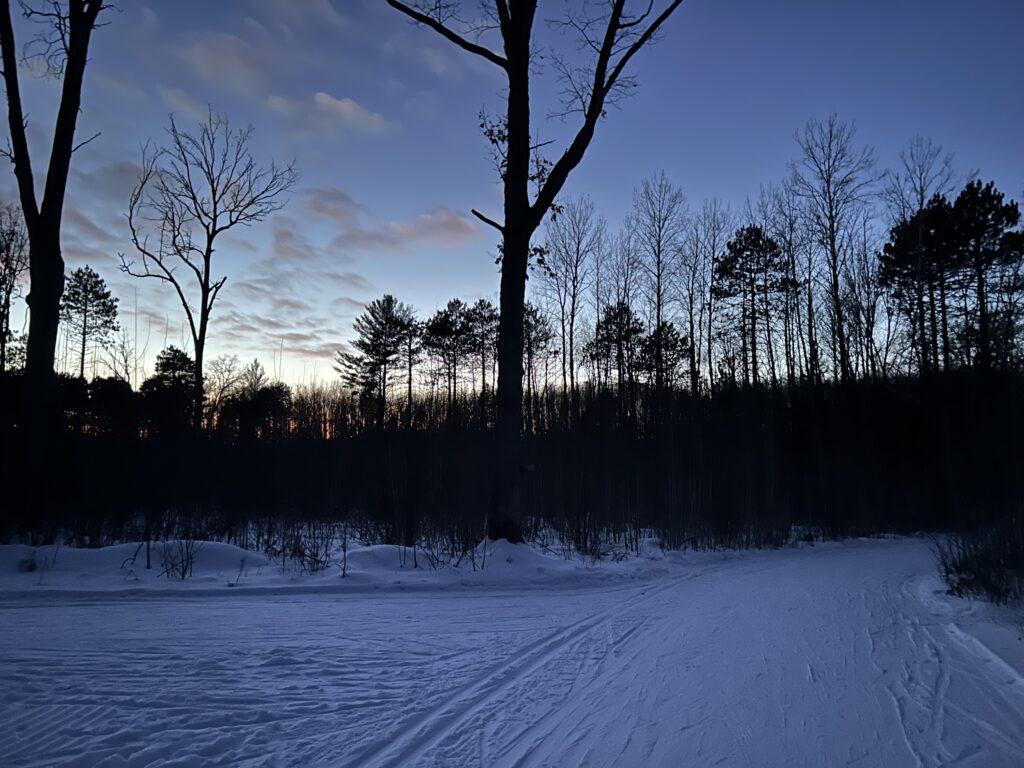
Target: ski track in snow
column 822, row 656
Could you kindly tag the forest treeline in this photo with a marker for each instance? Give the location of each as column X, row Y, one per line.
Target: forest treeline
column 841, row 356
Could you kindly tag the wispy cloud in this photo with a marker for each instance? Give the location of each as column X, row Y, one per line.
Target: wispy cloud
column 323, row 111
column 332, row 203
column 226, row 60
column 179, row 101
column 442, row 226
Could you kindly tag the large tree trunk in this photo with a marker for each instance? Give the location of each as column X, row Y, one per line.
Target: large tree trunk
column 46, row 267
column 505, row 519
column 506, row 512
column 46, row 270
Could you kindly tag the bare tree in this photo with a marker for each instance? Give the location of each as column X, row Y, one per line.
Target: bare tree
column 190, row 191
column 63, row 51
column 573, row 239
column 610, row 34
column 601, row 287
column 925, row 170
column 714, row 223
column 223, row 379
column 13, row 265
column 123, row 358
column 835, row 179
column 787, row 226
column 659, row 216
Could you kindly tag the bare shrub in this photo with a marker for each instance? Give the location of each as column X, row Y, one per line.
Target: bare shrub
column 986, row 562
column 177, row 557
column 311, row 545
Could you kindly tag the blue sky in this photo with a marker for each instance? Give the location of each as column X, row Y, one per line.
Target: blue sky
column 381, row 119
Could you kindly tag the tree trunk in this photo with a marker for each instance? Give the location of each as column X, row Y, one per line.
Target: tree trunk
column 693, row 351
column 506, row 512
column 505, row 520
column 85, row 333
column 46, row 270
column 408, row 404
column 984, row 344
column 944, row 309
column 5, row 328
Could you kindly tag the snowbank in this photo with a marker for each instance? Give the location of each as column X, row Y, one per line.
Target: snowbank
column 217, row 567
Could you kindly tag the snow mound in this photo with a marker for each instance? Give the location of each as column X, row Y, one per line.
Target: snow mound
column 217, row 567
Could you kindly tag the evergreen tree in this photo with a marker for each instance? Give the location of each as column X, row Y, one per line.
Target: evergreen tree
column 751, row 271
column 168, row 394
column 89, row 311
column 174, row 371
column 984, row 234
column 410, row 334
column 446, row 337
column 662, row 352
column 537, row 337
column 482, row 326
column 380, row 339
column 616, row 344
column 917, row 265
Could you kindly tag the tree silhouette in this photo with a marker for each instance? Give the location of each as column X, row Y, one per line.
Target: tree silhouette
column 381, row 338
column 191, row 191
column 659, row 219
column 447, row 338
column 89, row 311
column 572, row 241
column 174, row 370
column 168, row 394
column 410, row 336
column 614, row 34
column 916, row 265
column 983, row 230
column 751, row 268
column 616, row 345
column 13, row 266
column 482, row 329
column 537, row 337
column 834, row 179
column 662, row 352
column 63, row 49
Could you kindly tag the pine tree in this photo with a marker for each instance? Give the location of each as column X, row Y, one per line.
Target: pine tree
column 751, row 270
column 616, row 344
column 446, row 336
column 662, row 352
column 983, row 228
column 89, row 311
column 916, row 266
column 174, row 371
column 381, row 335
column 482, row 322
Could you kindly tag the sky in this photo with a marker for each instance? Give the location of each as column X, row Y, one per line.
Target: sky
column 381, row 119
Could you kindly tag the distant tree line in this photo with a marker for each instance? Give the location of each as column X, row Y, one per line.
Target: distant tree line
column 843, row 355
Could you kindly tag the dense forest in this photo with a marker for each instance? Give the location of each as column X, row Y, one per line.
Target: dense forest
column 841, row 356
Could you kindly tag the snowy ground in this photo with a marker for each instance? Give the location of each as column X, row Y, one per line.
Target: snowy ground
column 820, row 656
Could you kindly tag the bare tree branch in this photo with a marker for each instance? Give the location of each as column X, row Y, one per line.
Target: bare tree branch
column 486, row 220
column 436, row 23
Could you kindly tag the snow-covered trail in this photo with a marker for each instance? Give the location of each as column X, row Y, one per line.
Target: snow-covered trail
column 838, row 655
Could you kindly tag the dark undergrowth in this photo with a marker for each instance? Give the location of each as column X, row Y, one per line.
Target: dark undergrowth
column 744, row 468
column 986, row 562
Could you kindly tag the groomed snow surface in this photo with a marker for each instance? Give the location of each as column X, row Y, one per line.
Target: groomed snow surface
column 831, row 655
